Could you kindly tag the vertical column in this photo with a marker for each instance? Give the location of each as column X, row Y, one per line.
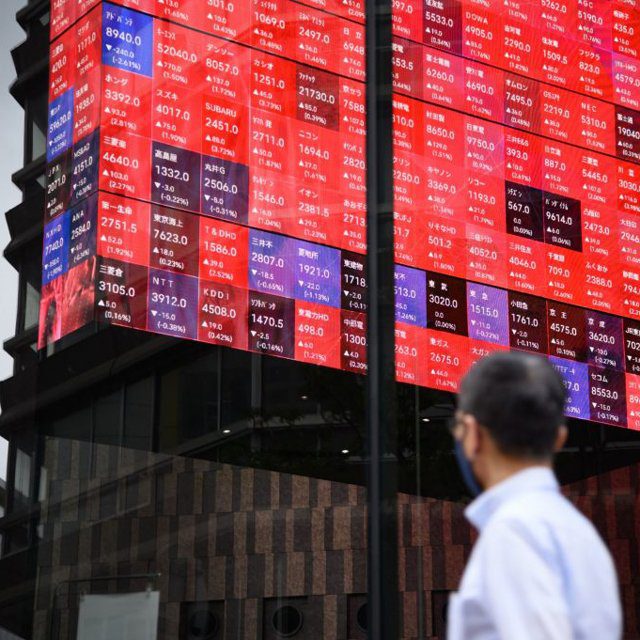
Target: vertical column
column 383, row 571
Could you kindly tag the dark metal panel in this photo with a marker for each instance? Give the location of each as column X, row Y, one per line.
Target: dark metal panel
column 381, row 421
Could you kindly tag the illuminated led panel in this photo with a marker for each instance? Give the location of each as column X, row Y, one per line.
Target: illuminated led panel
column 206, row 180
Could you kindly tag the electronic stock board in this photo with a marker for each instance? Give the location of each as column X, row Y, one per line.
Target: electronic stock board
column 206, row 180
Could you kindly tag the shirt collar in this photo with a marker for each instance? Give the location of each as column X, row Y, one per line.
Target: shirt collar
column 479, row 512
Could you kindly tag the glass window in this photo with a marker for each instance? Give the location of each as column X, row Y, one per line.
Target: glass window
column 31, row 306
column 38, row 140
column 274, row 505
column 22, row 478
column 75, row 424
column 108, row 418
column 138, row 416
column 235, row 389
column 37, row 109
column 18, row 537
column 30, row 275
column 189, row 401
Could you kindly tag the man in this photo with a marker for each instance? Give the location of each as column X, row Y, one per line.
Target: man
column 539, row 570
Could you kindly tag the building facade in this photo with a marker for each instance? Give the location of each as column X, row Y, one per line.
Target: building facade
column 233, row 482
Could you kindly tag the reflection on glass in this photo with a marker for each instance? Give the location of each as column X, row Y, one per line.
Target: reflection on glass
column 242, row 549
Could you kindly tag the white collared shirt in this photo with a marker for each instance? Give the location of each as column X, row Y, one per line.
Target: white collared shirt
column 539, row 570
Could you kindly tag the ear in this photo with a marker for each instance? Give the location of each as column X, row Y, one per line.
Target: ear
column 561, row 438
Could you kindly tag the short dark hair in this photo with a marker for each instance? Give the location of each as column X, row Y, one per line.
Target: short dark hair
column 519, row 399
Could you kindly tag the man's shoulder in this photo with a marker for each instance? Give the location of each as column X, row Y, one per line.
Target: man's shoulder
column 546, row 518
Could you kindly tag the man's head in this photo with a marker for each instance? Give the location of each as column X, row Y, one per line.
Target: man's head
column 510, row 413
